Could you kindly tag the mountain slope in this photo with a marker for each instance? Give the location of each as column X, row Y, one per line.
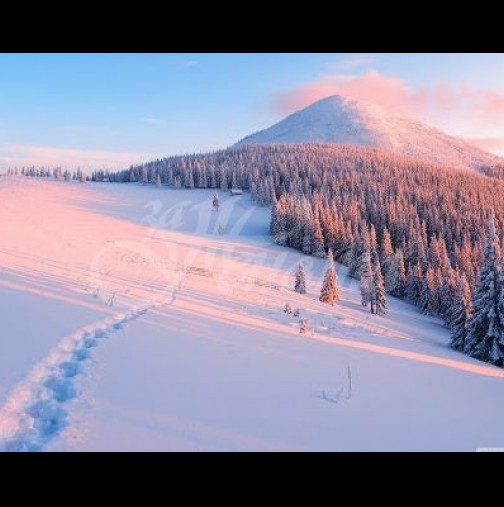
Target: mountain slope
column 342, row 120
column 214, row 364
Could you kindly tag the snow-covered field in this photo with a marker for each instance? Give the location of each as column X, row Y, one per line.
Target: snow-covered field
column 129, row 323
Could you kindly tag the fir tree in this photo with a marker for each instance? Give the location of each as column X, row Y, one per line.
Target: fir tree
column 447, row 292
column 460, row 313
column 303, row 326
column 366, row 281
column 158, row 181
column 485, row 339
column 215, row 202
column 330, row 291
column 318, row 240
column 395, row 275
column 427, row 302
column 400, row 287
column 308, row 239
column 414, row 283
column 379, row 302
column 300, row 285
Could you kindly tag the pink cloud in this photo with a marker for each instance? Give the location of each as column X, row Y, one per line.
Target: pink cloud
column 462, row 109
column 371, row 86
column 15, row 155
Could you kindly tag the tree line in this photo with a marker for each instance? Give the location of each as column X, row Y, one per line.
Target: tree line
column 418, row 229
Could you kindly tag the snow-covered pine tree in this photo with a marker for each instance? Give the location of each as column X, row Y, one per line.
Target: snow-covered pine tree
column 387, row 249
column 460, row 314
column 414, row 283
column 485, row 339
column 366, row 281
column 308, row 240
column 387, row 259
column 158, row 181
column 447, row 291
column 373, row 243
column 395, row 275
column 279, row 221
column 359, row 248
column 400, row 287
column 215, row 202
column 427, row 301
column 303, row 326
column 330, row 291
column 318, row 240
column 379, row 301
column 300, row 285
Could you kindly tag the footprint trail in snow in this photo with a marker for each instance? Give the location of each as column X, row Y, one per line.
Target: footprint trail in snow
column 35, row 412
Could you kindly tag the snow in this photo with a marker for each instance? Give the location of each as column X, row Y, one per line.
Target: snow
column 342, row 120
column 130, row 323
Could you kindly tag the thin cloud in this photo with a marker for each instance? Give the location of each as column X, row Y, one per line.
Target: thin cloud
column 189, row 63
column 352, row 62
column 17, row 155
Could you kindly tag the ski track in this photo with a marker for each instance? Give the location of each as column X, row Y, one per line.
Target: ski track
column 35, row 411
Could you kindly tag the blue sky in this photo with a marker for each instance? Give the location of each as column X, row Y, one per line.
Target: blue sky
column 112, row 110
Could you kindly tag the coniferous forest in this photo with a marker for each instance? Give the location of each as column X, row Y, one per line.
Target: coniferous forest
column 431, row 231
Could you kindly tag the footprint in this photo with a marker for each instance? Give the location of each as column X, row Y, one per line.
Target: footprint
column 81, row 355
column 48, row 417
column 62, row 388
column 89, row 343
column 70, row 369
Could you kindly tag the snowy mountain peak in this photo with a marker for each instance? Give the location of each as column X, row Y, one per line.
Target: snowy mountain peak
column 343, row 120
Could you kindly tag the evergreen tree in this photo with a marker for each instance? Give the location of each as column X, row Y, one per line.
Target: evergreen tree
column 379, row 303
column 387, row 249
column 460, row 313
column 427, row 301
column 215, row 202
column 366, row 281
column 330, row 291
column 308, row 239
column 373, row 243
column 414, row 283
column 447, row 292
column 400, row 287
column 158, row 181
column 395, row 275
column 359, row 249
column 145, row 175
column 485, row 339
column 300, row 285
column 318, row 240
column 303, row 326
